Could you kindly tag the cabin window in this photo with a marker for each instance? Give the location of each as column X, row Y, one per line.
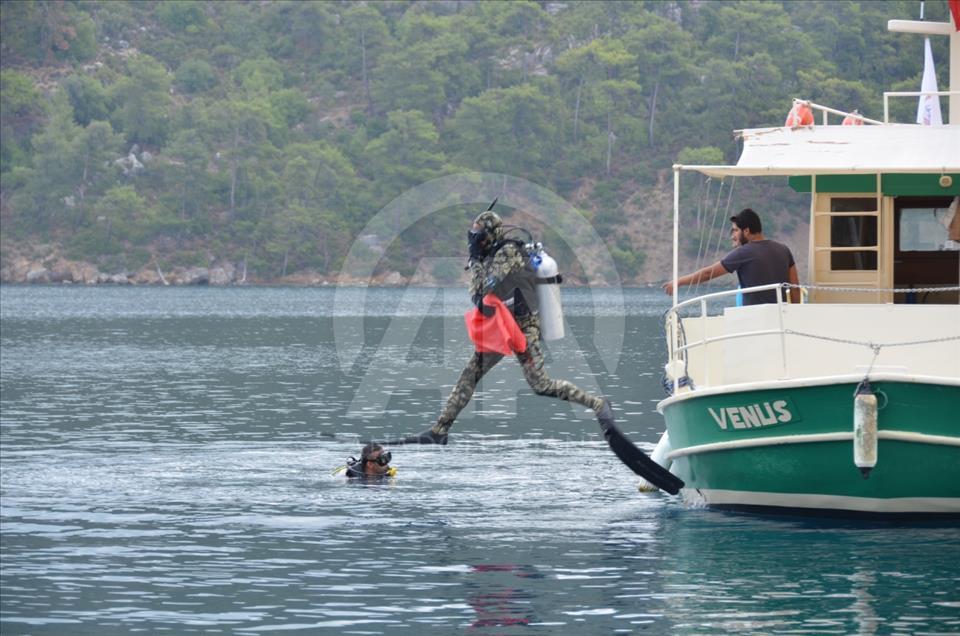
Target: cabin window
column 926, row 229
column 926, row 239
column 853, row 204
column 853, row 231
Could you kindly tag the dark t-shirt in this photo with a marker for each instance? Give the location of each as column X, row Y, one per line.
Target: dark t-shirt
column 760, row 263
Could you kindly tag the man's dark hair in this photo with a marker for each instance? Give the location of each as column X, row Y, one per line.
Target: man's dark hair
column 747, row 219
column 369, row 450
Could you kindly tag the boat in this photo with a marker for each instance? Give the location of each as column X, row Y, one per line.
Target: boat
column 848, row 403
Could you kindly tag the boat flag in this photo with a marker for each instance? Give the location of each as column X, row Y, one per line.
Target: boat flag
column 928, row 109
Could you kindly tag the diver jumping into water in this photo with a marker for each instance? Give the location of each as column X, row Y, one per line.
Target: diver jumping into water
column 500, row 266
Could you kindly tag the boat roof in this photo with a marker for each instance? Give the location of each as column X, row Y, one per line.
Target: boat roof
column 888, row 148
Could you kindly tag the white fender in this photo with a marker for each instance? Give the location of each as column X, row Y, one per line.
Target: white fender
column 865, row 430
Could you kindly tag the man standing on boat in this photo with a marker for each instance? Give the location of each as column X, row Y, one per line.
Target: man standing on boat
column 757, row 261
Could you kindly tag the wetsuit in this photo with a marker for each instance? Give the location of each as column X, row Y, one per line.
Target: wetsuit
column 508, row 274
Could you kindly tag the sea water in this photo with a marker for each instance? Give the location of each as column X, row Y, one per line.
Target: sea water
column 166, row 459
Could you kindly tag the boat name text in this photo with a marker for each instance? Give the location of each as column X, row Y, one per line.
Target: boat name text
column 753, row 415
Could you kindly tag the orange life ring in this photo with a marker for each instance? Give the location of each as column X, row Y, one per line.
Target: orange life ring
column 800, row 115
column 852, row 120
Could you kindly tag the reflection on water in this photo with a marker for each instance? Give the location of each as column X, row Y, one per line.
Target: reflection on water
column 166, row 466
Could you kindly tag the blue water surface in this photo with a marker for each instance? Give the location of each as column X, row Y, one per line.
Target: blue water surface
column 166, row 460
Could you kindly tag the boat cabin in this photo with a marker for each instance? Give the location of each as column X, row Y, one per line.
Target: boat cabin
column 903, row 235
column 882, row 290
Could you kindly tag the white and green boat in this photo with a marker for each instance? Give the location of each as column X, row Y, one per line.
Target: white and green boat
column 762, row 412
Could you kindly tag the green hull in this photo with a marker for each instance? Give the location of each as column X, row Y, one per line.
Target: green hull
column 792, row 447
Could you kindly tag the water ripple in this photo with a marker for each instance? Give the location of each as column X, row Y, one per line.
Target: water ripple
column 166, row 459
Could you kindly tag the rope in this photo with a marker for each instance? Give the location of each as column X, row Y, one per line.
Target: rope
column 702, row 221
column 726, row 215
column 876, row 346
column 713, row 221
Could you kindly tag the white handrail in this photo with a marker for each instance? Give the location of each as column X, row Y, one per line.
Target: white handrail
column 842, row 113
column 733, row 336
column 888, row 94
column 727, row 292
column 679, row 347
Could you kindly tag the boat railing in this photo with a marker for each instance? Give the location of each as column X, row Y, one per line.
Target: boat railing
column 679, row 347
column 710, row 330
column 827, row 111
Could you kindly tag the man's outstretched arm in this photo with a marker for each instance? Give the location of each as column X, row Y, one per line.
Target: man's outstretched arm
column 701, row 275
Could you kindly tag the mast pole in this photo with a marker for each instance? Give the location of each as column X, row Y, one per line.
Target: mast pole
column 939, row 28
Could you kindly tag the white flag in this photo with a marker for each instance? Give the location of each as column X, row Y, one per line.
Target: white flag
column 928, row 110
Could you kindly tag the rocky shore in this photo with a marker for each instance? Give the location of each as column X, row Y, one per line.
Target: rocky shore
column 59, row 270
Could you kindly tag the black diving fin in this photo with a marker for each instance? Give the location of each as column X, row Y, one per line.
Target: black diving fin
column 426, row 437
column 635, row 459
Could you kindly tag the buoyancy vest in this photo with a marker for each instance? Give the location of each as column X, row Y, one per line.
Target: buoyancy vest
column 354, row 469
column 520, row 285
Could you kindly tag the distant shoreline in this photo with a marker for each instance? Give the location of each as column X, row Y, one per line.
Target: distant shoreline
column 20, row 270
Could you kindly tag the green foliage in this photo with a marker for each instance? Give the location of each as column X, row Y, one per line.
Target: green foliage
column 46, row 31
column 18, row 97
column 290, row 105
column 628, row 260
column 288, row 125
column 87, row 97
column 702, row 156
column 259, row 76
column 181, row 15
column 195, row 76
column 143, row 99
column 406, row 154
column 21, row 110
column 117, row 210
column 507, row 130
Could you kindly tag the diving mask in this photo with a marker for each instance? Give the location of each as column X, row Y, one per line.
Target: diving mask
column 476, row 240
column 383, row 459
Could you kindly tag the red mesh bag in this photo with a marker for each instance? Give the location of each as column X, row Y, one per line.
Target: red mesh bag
column 499, row 333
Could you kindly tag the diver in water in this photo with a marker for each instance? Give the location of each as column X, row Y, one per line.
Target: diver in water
column 500, row 265
column 374, row 462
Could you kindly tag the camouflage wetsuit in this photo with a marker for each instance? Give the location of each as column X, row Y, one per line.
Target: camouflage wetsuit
column 508, row 274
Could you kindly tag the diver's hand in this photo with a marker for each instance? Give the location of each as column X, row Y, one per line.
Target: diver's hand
column 486, row 310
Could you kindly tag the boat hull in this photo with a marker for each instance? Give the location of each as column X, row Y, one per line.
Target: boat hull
column 789, row 447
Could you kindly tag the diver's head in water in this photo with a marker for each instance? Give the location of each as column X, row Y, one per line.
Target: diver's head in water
column 375, row 460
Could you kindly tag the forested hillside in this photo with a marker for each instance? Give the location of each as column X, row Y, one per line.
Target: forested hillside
column 264, row 135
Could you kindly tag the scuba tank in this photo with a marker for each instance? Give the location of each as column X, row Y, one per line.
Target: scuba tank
column 548, row 281
column 548, row 293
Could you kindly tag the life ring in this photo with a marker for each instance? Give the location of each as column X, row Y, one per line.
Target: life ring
column 853, row 119
column 800, row 115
